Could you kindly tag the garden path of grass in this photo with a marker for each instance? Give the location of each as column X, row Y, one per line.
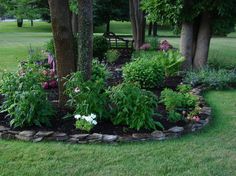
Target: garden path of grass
column 210, row 152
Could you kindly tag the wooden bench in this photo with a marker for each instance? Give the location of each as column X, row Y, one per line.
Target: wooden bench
column 123, row 43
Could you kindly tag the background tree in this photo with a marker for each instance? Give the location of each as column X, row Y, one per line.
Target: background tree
column 24, row 9
column 199, row 20
column 85, row 37
column 137, row 18
column 107, row 10
column 63, row 37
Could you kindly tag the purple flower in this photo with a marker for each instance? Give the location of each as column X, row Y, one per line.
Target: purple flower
column 165, row 46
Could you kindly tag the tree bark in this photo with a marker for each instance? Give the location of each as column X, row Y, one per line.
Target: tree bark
column 85, row 37
column 203, row 41
column 74, row 23
column 150, row 27
column 31, row 23
column 186, row 44
column 155, row 29
column 62, row 34
column 20, row 22
column 137, row 21
column 108, row 26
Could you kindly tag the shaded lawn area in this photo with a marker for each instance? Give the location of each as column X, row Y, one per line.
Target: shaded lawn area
column 211, row 152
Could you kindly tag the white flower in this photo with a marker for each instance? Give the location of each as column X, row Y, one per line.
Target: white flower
column 90, row 118
column 94, row 122
column 77, row 116
column 77, row 90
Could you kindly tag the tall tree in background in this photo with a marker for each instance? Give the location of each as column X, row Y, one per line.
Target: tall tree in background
column 63, row 37
column 137, row 18
column 85, row 37
column 24, row 9
column 107, row 10
column 199, row 20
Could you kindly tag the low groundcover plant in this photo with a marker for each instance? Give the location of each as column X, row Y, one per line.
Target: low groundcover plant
column 85, row 123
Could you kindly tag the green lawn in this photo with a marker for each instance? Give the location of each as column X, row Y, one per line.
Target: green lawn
column 211, row 152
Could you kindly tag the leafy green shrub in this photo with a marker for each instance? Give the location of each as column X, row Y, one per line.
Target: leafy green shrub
column 147, row 73
column 212, row 78
column 112, row 55
column 88, row 97
column 133, row 106
column 25, row 100
column 100, row 47
column 177, row 102
column 170, row 60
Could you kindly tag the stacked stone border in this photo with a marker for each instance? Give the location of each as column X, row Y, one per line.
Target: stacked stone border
column 174, row 132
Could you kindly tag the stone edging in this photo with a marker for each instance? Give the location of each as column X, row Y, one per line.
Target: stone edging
column 174, row 132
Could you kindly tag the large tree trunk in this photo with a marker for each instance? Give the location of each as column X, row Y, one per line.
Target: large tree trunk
column 85, row 37
column 31, row 22
column 138, row 22
column 108, row 26
column 74, row 23
column 203, row 42
column 155, row 29
column 20, row 22
column 150, row 27
column 62, row 33
column 186, row 44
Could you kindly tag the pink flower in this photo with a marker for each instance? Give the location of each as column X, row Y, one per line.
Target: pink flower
column 145, row 46
column 196, row 118
column 165, row 46
column 45, row 85
column 53, row 84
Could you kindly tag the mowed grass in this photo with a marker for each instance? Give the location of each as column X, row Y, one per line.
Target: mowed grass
column 211, row 152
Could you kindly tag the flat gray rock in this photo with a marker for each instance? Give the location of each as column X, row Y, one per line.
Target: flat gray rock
column 141, row 135
column 157, row 134
column 176, row 129
column 109, row 138
column 24, row 138
column 44, row 133
column 60, row 136
column 27, row 133
column 38, row 139
column 79, row 136
column 2, row 128
column 95, row 136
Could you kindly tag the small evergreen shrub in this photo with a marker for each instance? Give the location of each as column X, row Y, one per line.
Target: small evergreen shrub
column 148, row 73
column 133, row 107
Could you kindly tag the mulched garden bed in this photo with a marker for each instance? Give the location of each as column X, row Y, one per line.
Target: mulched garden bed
column 67, row 126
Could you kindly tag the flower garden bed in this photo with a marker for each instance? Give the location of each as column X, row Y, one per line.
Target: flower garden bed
column 136, row 99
